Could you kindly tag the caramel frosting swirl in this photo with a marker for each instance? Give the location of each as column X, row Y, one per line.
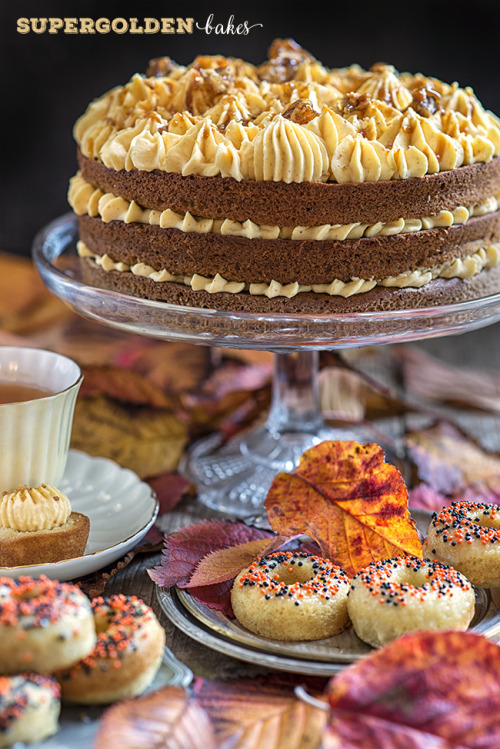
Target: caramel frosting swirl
column 290, row 119
column 34, row 509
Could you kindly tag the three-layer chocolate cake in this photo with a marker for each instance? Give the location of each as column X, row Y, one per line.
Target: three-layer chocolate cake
column 289, row 187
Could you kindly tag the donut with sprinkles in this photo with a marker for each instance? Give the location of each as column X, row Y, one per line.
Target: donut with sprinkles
column 390, row 598
column 44, row 625
column 467, row 536
column 29, row 708
column 292, row 596
column 126, row 657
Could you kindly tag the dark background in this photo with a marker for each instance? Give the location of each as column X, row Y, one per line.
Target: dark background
column 48, row 80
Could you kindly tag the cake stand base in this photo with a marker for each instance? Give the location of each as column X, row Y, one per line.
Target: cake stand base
column 234, row 477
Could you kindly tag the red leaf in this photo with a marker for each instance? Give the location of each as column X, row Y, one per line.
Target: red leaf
column 421, row 686
column 225, row 564
column 170, row 488
column 185, row 548
column 216, row 596
column 167, row 718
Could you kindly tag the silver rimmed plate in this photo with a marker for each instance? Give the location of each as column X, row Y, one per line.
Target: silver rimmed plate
column 318, row 658
column 121, row 508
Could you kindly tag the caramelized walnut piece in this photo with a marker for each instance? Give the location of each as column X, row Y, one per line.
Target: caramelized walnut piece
column 204, row 88
column 300, row 112
column 284, row 57
column 382, row 68
column 233, row 65
column 354, row 103
column 426, row 101
column 161, row 67
column 207, row 62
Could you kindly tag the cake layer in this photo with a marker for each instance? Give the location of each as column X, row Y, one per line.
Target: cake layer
column 266, row 260
column 437, row 292
column 304, row 203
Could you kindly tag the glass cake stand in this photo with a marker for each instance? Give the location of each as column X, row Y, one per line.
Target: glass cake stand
column 234, row 477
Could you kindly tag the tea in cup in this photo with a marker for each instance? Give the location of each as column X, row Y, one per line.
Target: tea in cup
column 38, row 392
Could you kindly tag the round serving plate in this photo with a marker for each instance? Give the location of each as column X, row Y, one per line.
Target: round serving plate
column 316, row 658
column 121, row 509
column 319, row 658
column 54, row 253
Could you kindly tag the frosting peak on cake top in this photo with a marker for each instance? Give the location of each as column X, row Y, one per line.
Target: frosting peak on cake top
column 290, row 119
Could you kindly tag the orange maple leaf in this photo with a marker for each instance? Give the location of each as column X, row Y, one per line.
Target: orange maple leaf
column 352, row 503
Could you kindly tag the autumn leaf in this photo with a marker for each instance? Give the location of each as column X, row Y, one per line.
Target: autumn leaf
column 123, row 385
column 148, row 441
column 185, row 548
column 169, row 717
column 352, row 503
column 354, row 388
column 434, row 380
column 262, row 714
column 174, row 367
column 452, row 463
column 424, row 497
column 428, row 690
column 231, row 398
column 225, row 564
column 170, row 488
column 26, row 306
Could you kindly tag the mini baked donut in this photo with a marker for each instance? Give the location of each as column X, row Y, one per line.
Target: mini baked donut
column 44, row 625
column 390, row 598
column 29, row 708
column 467, row 536
column 127, row 655
column 292, row 596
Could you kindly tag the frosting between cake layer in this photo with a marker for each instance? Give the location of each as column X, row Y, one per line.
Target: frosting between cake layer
column 34, row 509
column 290, row 120
column 84, row 198
column 464, row 268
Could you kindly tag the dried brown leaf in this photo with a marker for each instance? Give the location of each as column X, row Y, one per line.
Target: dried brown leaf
column 168, row 718
column 173, row 367
column 25, row 304
column 258, row 714
column 123, row 385
column 225, row 564
column 145, row 440
column 434, row 380
column 451, row 462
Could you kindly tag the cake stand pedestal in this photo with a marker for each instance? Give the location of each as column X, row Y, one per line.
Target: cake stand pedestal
column 234, row 477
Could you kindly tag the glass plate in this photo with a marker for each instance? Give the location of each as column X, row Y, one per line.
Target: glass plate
column 121, row 508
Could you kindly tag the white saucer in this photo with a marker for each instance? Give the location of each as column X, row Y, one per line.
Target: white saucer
column 121, row 508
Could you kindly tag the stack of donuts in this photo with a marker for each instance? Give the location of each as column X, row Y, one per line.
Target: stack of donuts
column 55, row 643
column 295, row 596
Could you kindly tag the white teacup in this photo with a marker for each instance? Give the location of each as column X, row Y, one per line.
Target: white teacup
column 35, row 433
